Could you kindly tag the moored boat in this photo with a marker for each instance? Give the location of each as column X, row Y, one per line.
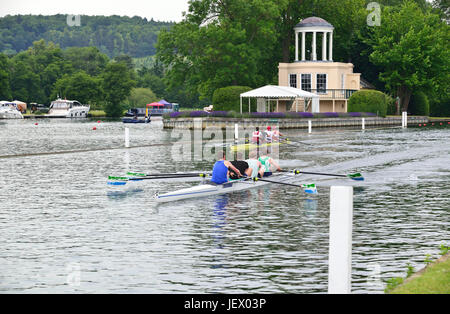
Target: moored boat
column 62, row 108
column 9, row 110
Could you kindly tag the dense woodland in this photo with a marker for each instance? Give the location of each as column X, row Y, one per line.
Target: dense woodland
column 114, row 62
column 112, row 35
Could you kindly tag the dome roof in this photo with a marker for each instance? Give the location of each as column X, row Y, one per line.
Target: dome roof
column 314, row 22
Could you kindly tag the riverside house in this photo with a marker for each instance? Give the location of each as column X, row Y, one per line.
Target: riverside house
column 317, row 73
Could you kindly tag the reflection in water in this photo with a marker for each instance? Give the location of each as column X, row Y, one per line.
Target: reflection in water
column 310, row 206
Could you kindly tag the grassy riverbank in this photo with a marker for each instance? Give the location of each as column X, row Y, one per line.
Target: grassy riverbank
column 433, row 279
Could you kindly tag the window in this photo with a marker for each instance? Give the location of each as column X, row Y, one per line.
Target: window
column 306, row 82
column 293, row 80
column 321, row 83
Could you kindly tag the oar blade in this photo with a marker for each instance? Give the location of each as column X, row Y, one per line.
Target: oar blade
column 116, row 183
column 356, row 176
column 136, row 174
column 309, row 188
column 118, row 178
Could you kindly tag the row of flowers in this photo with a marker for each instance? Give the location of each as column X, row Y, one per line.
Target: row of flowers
column 267, row 115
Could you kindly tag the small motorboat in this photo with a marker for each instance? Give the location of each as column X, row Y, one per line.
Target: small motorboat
column 136, row 120
column 9, row 110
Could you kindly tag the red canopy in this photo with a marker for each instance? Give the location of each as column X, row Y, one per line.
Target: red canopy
column 155, row 104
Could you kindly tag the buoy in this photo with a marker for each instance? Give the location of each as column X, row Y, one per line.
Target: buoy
column 424, row 124
column 440, row 123
column 420, row 124
column 36, row 123
column 432, row 123
column 94, row 128
column 99, row 121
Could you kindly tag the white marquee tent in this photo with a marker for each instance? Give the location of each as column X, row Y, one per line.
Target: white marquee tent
column 272, row 92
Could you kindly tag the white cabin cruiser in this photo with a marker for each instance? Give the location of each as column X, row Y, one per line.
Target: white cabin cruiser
column 68, row 109
column 9, row 110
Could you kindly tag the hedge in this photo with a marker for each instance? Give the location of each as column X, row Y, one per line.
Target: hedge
column 368, row 101
column 228, row 98
column 419, row 105
column 267, row 115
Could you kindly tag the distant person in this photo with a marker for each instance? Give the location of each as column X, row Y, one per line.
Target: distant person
column 269, row 135
column 256, row 136
column 277, row 134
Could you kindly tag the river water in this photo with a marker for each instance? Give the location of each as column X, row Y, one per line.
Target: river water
column 62, row 233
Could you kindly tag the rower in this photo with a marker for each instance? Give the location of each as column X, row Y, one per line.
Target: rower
column 241, row 165
column 256, row 136
column 221, row 169
column 277, row 134
column 269, row 134
column 254, row 165
column 267, row 163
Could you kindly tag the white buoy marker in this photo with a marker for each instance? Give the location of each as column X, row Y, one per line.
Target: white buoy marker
column 127, row 137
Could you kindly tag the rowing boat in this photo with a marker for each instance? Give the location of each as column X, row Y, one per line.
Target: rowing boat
column 209, row 189
column 248, row 146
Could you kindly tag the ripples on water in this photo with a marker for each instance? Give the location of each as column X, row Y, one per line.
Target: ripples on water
column 60, row 232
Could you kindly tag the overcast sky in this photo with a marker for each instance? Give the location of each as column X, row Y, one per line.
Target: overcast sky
column 159, row 10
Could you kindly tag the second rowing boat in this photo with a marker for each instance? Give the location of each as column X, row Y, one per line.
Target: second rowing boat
column 248, row 146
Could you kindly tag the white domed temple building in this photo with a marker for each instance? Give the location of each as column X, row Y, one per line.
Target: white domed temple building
column 314, row 82
column 316, row 71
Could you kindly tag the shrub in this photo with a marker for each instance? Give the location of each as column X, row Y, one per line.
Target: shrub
column 228, row 98
column 368, row 101
column 419, row 104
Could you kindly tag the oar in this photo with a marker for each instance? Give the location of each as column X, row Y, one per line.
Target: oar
column 137, row 174
column 308, row 188
column 202, row 175
column 293, row 143
column 354, row 176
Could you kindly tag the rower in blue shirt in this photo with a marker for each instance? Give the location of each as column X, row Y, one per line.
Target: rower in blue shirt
column 221, row 168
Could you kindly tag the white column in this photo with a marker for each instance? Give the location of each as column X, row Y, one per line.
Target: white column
column 314, row 52
column 309, row 127
column 127, row 137
column 340, row 252
column 303, row 46
column 324, row 46
column 330, row 52
column 296, row 46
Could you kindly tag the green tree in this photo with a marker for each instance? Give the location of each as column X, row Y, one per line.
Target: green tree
column 79, row 86
column 139, row 97
column 5, row 89
column 117, row 84
column 220, row 43
column 411, row 49
column 25, row 84
column 87, row 59
column 228, row 98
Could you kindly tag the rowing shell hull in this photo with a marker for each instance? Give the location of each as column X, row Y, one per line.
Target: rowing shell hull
column 204, row 190
column 254, row 146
